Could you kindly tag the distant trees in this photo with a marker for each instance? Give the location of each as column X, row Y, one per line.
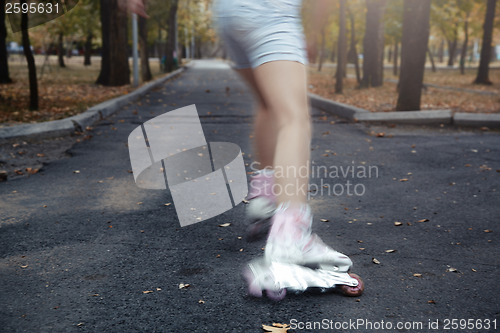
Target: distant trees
column 414, row 47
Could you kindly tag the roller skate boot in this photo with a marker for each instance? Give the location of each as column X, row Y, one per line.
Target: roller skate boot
column 261, row 205
column 297, row 260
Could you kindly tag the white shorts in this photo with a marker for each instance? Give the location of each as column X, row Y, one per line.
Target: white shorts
column 258, row 31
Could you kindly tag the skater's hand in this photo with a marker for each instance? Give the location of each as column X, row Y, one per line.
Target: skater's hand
column 137, row 7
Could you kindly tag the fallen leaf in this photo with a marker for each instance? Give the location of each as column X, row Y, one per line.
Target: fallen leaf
column 224, row 225
column 324, row 220
column 403, row 180
column 397, row 223
column 380, row 135
column 423, row 220
column 417, row 275
column 201, row 301
column 390, row 251
column 184, row 286
column 76, row 171
column 168, row 204
column 147, row 292
column 375, row 261
column 24, row 266
column 451, row 269
column 431, row 301
column 276, row 329
column 488, row 230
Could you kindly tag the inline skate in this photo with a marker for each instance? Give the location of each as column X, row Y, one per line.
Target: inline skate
column 296, row 260
column 261, row 205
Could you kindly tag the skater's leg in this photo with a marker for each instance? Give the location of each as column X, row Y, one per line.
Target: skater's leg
column 283, row 89
column 265, row 132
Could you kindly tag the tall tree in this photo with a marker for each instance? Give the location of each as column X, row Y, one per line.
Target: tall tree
column 463, row 53
column 115, row 70
column 373, row 44
column 4, row 66
column 484, row 62
column 396, row 57
column 143, row 46
column 452, row 46
column 352, row 55
column 341, row 49
column 171, row 37
column 414, row 46
column 60, row 49
column 30, row 60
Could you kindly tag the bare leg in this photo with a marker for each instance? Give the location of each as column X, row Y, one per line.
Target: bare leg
column 265, row 132
column 283, row 89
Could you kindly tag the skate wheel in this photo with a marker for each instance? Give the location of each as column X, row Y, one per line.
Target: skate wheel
column 276, row 295
column 353, row 291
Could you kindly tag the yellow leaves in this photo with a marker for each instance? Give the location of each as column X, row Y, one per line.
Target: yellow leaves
column 276, row 328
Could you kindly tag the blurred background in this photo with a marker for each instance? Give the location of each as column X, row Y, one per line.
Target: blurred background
column 84, row 56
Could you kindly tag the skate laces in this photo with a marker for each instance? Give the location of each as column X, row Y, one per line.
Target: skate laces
column 261, row 185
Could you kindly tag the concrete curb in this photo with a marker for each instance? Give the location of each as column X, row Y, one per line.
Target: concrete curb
column 80, row 122
column 490, row 120
column 424, row 117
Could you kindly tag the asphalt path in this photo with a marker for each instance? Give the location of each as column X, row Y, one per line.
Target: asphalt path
column 83, row 249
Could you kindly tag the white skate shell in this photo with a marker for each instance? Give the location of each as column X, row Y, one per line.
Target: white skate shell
column 277, row 278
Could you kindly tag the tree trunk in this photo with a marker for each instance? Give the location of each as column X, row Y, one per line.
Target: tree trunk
column 484, row 62
column 463, row 54
column 431, row 58
column 4, row 65
column 389, row 54
column 170, row 47
column 30, row 60
column 396, row 56
column 341, row 50
column 60, row 50
column 115, row 70
column 452, row 47
column 373, row 44
column 414, row 45
column 322, row 50
column 143, row 47
column 333, row 53
column 353, row 52
column 88, row 50
column 441, row 52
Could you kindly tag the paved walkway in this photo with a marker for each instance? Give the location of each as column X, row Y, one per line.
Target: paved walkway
column 84, row 250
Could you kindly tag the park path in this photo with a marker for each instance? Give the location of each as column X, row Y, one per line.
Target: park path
column 84, row 250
